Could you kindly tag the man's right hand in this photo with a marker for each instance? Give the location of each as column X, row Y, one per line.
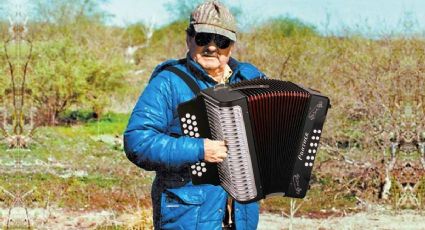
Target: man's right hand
column 215, row 151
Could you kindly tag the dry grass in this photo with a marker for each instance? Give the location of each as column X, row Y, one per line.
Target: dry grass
column 375, row 87
column 142, row 220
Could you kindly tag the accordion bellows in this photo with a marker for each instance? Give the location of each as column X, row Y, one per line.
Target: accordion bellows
column 272, row 130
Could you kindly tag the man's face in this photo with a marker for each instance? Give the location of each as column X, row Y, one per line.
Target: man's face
column 209, row 56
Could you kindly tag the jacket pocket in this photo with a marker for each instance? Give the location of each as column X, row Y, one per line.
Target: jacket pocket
column 180, row 207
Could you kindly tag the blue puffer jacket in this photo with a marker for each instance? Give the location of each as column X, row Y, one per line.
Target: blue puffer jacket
column 153, row 141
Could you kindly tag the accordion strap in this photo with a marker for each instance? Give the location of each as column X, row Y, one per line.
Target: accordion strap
column 186, row 78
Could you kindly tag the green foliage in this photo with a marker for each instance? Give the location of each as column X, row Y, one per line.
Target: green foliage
column 135, row 34
column 171, row 33
column 4, row 81
column 66, row 74
column 282, row 27
column 172, row 36
column 66, row 12
column 166, row 42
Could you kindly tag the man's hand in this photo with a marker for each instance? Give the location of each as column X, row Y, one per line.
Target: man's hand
column 215, row 151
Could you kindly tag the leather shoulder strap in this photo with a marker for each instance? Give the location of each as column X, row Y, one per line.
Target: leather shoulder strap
column 186, row 78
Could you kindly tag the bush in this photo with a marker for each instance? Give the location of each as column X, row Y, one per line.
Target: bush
column 67, row 74
column 74, row 116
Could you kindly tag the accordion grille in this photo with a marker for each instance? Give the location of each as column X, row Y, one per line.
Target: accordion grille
column 276, row 113
column 235, row 172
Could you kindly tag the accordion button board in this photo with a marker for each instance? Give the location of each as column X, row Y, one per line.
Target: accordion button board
column 272, row 130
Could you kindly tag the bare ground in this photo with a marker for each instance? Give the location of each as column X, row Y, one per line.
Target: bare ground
column 62, row 219
column 364, row 220
column 38, row 218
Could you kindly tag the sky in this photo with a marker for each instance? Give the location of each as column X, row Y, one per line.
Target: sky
column 328, row 16
column 372, row 18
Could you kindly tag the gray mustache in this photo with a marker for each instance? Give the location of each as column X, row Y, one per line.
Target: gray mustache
column 206, row 54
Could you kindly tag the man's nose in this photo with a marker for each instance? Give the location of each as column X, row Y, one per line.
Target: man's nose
column 212, row 46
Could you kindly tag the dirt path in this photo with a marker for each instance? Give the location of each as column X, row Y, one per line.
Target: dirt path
column 60, row 219
column 363, row 220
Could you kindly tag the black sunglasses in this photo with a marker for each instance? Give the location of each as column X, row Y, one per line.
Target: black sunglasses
column 203, row 39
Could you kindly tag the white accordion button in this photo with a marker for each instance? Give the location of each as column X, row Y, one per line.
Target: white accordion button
column 193, row 117
column 192, row 166
column 184, row 125
column 312, row 157
column 195, row 129
column 185, row 131
column 187, row 115
column 315, row 144
column 194, row 172
column 189, row 121
column 314, row 131
column 196, row 134
column 310, row 164
column 195, row 123
column 204, row 169
column 199, row 174
column 306, row 164
column 198, row 168
column 190, row 127
column 191, row 133
column 308, row 157
column 319, row 131
column 203, row 164
column 183, row 119
column 311, row 144
column 309, row 151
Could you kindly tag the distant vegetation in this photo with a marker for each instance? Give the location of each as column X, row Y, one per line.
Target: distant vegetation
column 79, row 63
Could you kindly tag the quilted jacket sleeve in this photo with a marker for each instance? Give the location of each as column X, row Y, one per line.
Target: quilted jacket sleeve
column 146, row 142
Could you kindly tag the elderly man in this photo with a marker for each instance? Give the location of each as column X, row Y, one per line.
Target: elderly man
column 153, row 139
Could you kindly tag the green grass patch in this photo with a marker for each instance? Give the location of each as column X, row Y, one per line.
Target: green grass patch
column 111, row 123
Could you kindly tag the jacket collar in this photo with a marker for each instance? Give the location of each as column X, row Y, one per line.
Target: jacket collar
column 201, row 74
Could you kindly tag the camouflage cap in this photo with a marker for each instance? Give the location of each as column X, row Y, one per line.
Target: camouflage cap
column 214, row 17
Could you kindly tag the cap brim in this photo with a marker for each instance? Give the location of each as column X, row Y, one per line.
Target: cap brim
column 205, row 28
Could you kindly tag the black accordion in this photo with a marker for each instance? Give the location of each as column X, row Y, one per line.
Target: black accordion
column 272, row 130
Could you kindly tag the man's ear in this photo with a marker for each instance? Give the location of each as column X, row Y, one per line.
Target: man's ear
column 187, row 41
column 233, row 47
